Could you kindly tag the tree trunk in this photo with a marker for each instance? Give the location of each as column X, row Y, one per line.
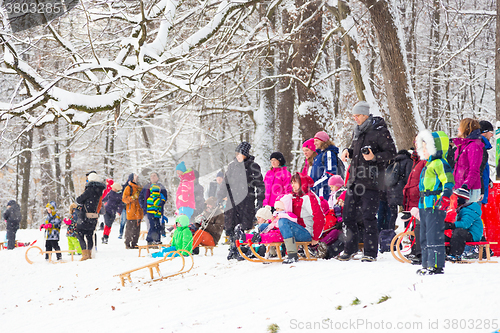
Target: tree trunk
column 285, row 96
column 69, row 185
column 394, row 72
column 26, row 141
column 434, row 55
column 56, row 161
column 47, row 176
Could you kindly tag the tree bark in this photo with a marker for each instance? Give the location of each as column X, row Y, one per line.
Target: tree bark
column 47, row 176
column 394, row 72
column 26, row 141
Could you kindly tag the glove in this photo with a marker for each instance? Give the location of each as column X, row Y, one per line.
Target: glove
column 67, row 221
column 443, row 203
column 48, row 226
column 41, row 226
column 337, row 210
column 449, row 226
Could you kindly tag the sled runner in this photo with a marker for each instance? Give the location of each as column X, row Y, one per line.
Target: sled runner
column 72, row 252
column 150, row 246
column 276, row 245
column 481, row 245
column 156, row 265
column 208, row 247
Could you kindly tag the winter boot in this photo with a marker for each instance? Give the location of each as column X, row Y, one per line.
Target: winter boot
column 291, row 258
column 105, row 239
column 291, row 249
column 322, row 249
column 85, row 255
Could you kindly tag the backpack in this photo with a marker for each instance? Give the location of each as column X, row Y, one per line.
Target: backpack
column 340, row 170
column 393, row 174
column 384, row 239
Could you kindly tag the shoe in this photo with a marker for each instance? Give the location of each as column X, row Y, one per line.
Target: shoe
column 453, row 258
column 422, row 271
column 322, row 250
column 368, row 259
column 104, row 240
column 291, row 258
column 239, row 234
column 345, row 257
column 313, row 250
column 417, row 260
column 430, row 271
column 120, row 237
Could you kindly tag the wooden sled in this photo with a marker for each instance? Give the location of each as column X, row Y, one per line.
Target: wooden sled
column 396, row 246
column 208, row 247
column 481, row 245
column 276, row 245
column 156, row 265
column 151, row 246
column 72, row 252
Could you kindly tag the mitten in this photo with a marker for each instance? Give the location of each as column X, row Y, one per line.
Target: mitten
column 450, row 226
column 67, row 221
column 443, row 203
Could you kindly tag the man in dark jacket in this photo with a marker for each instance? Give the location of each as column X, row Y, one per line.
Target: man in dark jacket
column 372, row 147
column 145, row 193
column 90, row 200
column 12, row 216
column 487, row 132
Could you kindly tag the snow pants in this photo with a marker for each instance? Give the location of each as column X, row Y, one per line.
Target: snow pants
column 432, row 237
column 52, row 245
column 457, row 241
column 74, row 244
column 202, row 237
column 11, row 239
column 154, row 232
column 132, row 232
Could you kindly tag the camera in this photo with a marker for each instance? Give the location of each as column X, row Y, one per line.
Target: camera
column 366, row 150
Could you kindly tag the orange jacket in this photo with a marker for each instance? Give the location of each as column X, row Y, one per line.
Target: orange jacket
column 134, row 210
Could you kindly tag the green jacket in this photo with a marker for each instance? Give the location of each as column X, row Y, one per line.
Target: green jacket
column 436, row 179
column 183, row 239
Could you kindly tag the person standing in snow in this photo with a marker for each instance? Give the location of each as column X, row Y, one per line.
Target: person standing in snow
column 71, row 234
column 395, row 191
column 155, row 203
column 91, row 200
column 277, row 179
column 309, row 150
column 143, row 198
column 487, row 132
column 324, row 165
column 12, row 216
column 134, row 211
column 372, row 147
column 199, row 196
column 113, row 204
column 52, row 228
column 185, row 201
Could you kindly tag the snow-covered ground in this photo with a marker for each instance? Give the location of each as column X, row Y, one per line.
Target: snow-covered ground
column 231, row 296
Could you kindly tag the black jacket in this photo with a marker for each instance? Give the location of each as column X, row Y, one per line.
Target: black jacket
column 395, row 193
column 90, row 200
column 244, row 188
column 370, row 174
column 12, row 215
column 113, row 202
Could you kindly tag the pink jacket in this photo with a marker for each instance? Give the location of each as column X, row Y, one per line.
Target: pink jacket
column 277, row 183
column 185, row 191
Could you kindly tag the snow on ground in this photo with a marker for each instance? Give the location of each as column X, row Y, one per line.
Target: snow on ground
column 231, row 296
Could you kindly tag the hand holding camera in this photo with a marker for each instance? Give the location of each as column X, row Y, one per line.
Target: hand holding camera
column 367, row 153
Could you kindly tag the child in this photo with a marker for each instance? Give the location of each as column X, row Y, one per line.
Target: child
column 436, row 185
column 185, row 202
column 283, row 210
column 263, row 215
column 73, row 243
column 52, row 227
column 336, row 183
column 155, row 203
column 182, row 238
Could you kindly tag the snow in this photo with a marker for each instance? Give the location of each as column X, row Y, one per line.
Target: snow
column 231, row 296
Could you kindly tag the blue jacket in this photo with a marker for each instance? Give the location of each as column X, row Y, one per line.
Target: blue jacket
column 324, row 166
column 486, row 172
column 469, row 218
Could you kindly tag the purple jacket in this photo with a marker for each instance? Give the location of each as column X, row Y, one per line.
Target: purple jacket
column 468, row 158
column 277, row 183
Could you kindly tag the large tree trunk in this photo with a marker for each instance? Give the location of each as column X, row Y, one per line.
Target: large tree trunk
column 69, row 185
column 46, row 174
column 26, row 141
column 56, row 161
column 285, row 96
column 394, row 72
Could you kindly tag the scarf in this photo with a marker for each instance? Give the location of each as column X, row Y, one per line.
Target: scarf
column 360, row 129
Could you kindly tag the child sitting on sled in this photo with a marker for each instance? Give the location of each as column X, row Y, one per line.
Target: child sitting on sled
column 182, row 239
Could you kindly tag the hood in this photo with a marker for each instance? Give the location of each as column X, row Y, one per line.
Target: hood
column 183, row 220
column 331, row 148
column 306, row 183
column 378, row 123
column 487, row 143
column 402, row 155
column 475, row 134
column 52, row 205
column 188, row 175
column 11, row 203
column 96, row 187
column 130, row 178
column 287, row 202
column 437, row 143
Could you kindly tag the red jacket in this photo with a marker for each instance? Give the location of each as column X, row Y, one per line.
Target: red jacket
column 411, row 193
column 185, row 191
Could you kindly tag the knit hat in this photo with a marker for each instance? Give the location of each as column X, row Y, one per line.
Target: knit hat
column 336, row 180
column 212, row 201
column 486, row 126
column 279, row 156
column 361, row 108
column 462, row 193
column 265, row 213
column 309, row 144
column 116, row 187
column 220, row 174
column 322, row 136
column 93, row 177
column 244, row 148
column 279, row 204
column 90, row 172
column 181, row 167
column 183, row 220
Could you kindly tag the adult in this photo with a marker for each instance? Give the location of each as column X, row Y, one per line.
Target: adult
column 400, row 172
column 244, row 187
column 211, row 222
column 185, row 201
column 310, row 218
column 324, row 165
column 371, row 148
column 199, row 196
column 12, row 216
column 309, row 150
column 277, row 179
column 154, row 179
column 113, row 204
column 134, row 211
column 468, row 159
column 487, row 132
column 91, row 200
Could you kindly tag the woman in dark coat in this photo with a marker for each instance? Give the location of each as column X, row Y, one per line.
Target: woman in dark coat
column 12, row 216
column 90, row 200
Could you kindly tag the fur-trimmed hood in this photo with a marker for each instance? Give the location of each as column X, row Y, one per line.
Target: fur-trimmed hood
column 437, row 144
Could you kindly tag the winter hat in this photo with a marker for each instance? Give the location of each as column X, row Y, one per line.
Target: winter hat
column 486, row 126
column 72, row 207
column 265, row 213
column 322, row 136
column 93, row 177
column 52, row 206
column 130, row 178
column 244, row 148
column 212, row 201
column 220, row 174
column 279, row 156
column 116, row 187
column 90, row 172
column 462, row 193
column 309, row 144
column 11, row 202
column 361, row 108
column 181, row 167
column 183, row 220
column 336, row 180
column 279, row 204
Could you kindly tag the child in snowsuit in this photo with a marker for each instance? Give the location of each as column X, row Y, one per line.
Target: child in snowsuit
column 154, row 204
column 52, row 228
column 182, row 238
column 73, row 243
column 436, row 185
